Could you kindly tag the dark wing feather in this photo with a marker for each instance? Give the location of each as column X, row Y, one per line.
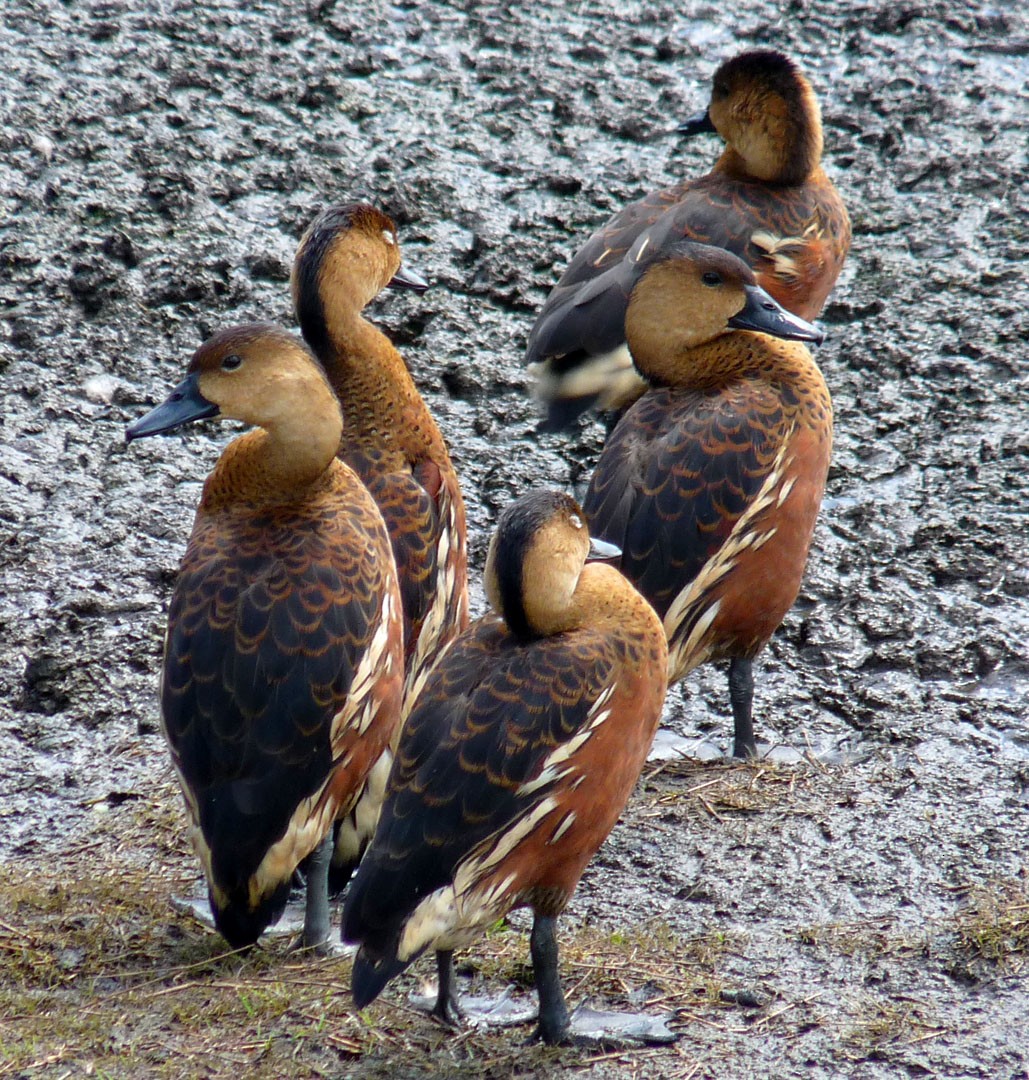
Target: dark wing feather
column 609, row 244
column 675, row 476
column 414, row 525
column 587, row 316
column 268, row 622
column 492, row 710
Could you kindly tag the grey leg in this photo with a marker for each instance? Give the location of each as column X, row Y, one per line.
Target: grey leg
column 316, row 901
column 741, row 693
column 447, row 1008
column 553, row 1014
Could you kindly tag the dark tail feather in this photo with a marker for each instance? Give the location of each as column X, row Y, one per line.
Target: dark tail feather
column 370, row 976
column 562, row 412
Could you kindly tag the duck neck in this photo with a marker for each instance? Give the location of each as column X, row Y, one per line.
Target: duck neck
column 375, row 390
column 689, row 366
column 785, row 151
column 732, row 355
column 604, row 600
column 601, row 597
column 275, row 463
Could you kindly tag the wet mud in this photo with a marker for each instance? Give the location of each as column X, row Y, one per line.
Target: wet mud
column 156, row 170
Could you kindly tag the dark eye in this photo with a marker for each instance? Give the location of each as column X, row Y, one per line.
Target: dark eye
column 711, row 278
column 230, row 363
column 720, row 90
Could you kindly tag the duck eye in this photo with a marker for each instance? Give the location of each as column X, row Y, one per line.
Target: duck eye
column 711, row 278
column 231, row 363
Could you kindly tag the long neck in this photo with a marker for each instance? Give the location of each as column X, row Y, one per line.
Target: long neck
column 277, row 463
column 381, row 404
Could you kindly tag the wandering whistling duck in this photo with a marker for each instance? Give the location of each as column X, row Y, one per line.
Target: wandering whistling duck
column 516, row 761
column 348, row 255
column 711, row 482
column 283, row 665
column 767, row 199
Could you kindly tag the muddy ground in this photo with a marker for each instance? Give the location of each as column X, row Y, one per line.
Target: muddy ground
column 156, row 172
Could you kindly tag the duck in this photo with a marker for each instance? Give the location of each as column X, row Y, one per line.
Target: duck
column 346, row 257
column 283, row 661
column 516, row 761
column 712, row 481
column 767, row 199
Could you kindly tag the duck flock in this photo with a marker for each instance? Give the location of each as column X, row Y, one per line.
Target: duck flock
column 330, row 709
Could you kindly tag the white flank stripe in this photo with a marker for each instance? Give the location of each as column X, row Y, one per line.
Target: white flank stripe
column 551, row 770
column 566, row 824
column 492, row 852
column 742, row 537
column 764, row 538
column 358, row 710
column 786, row 489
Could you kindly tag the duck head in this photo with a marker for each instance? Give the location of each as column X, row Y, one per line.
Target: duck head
column 535, row 560
column 692, row 295
column 765, row 110
column 257, row 373
column 347, row 256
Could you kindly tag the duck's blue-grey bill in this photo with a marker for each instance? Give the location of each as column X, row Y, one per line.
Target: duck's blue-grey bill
column 183, row 404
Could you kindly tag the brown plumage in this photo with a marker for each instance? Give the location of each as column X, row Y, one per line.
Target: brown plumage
column 346, row 257
column 710, row 484
column 767, row 199
column 516, row 761
column 283, row 661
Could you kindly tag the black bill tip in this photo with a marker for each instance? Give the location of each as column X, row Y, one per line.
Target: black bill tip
column 696, row 125
column 764, row 315
column 406, row 278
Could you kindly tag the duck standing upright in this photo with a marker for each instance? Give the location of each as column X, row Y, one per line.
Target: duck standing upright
column 516, row 761
column 711, row 482
column 283, row 663
column 346, row 257
column 767, row 199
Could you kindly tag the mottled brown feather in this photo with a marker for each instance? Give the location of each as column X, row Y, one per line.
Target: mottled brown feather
column 272, row 611
column 711, row 483
column 283, row 660
column 684, row 465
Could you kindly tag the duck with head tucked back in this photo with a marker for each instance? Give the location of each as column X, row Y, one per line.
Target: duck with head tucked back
column 767, row 200
column 711, row 482
column 516, row 761
column 347, row 256
column 283, row 662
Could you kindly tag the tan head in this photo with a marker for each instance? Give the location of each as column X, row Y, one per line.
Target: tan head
column 348, row 255
column 768, row 115
column 257, row 373
column 535, row 560
column 693, row 296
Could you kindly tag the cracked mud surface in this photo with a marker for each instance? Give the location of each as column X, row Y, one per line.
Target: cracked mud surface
column 157, row 171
